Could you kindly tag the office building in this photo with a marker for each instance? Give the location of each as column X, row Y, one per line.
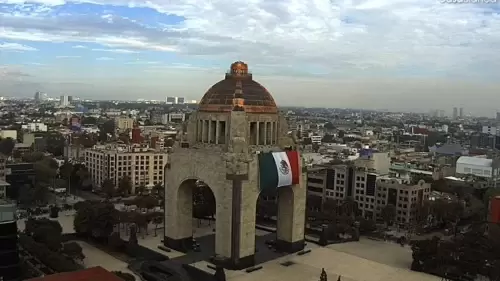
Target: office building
column 455, row 113
column 461, row 112
column 143, row 165
column 38, row 96
column 370, row 191
column 338, row 182
column 406, row 197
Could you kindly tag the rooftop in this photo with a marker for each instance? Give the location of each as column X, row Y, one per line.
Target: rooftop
column 475, row 161
column 90, row 274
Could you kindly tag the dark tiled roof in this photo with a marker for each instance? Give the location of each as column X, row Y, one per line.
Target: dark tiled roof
column 219, row 98
column 91, row 274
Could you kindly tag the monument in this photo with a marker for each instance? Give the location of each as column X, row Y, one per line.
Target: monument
column 237, row 143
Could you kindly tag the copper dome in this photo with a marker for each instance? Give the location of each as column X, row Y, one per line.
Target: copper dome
column 220, row 97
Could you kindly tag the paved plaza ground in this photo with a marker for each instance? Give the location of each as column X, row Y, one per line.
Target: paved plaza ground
column 366, row 260
column 96, row 257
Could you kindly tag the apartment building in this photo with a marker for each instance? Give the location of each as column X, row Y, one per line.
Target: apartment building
column 341, row 181
column 406, row 197
column 142, row 164
column 124, row 123
column 369, row 190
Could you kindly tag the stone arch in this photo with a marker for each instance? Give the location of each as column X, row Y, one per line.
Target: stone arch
column 182, row 211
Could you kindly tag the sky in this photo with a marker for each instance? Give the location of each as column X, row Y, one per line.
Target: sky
column 383, row 54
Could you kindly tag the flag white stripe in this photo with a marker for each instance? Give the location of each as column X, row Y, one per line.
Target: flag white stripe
column 284, row 179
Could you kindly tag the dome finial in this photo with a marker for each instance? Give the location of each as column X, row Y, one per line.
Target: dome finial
column 239, row 68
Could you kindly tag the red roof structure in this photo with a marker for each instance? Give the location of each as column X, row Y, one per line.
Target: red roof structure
column 90, row 274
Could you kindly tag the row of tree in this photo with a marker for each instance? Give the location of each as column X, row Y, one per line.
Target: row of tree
column 43, row 239
column 467, row 255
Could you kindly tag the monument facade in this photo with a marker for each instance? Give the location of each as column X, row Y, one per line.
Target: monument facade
column 223, row 145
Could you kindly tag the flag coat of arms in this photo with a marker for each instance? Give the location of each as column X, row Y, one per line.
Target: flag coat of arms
column 278, row 169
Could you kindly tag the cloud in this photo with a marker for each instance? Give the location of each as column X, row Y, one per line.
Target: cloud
column 67, row 57
column 318, row 37
column 117, row 51
column 79, row 47
column 15, row 47
column 8, row 72
column 104, row 59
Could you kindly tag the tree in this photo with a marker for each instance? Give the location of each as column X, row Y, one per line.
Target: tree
column 329, row 126
column 125, row 186
column 7, row 146
column 140, row 190
column 95, row 219
column 388, row 214
column 115, row 242
column 33, row 157
column 323, row 276
column 73, row 250
column 169, row 142
column 108, row 187
column 55, row 143
column 124, row 276
column 45, row 231
column 157, row 221
column 26, row 196
column 89, row 120
column 158, row 190
column 133, row 235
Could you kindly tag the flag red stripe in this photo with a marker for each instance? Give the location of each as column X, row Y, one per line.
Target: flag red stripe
column 293, row 158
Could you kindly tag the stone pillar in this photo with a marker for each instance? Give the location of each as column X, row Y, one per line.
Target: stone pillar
column 257, row 136
column 210, row 129
column 265, row 133
column 217, row 131
column 203, row 130
column 291, row 217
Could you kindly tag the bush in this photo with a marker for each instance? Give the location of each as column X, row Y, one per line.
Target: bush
column 54, row 260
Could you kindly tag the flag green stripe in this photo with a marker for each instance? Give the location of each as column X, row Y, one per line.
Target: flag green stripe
column 268, row 171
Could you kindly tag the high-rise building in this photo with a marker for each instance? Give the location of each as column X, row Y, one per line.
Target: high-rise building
column 38, row 96
column 171, row 100
column 455, row 113
column 461, row 112
column 176, row 100
column 498, row 116
column 64, row 101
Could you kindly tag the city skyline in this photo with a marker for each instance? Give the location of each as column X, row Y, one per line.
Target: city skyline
column 370, row 54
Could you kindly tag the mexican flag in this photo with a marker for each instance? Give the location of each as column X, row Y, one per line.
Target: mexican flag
column 278, row 169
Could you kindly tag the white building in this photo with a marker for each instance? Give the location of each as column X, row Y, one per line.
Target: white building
column 316, row 139
column 8, row 134
column 491, row 130
column 480, row 167
column 35, row 127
